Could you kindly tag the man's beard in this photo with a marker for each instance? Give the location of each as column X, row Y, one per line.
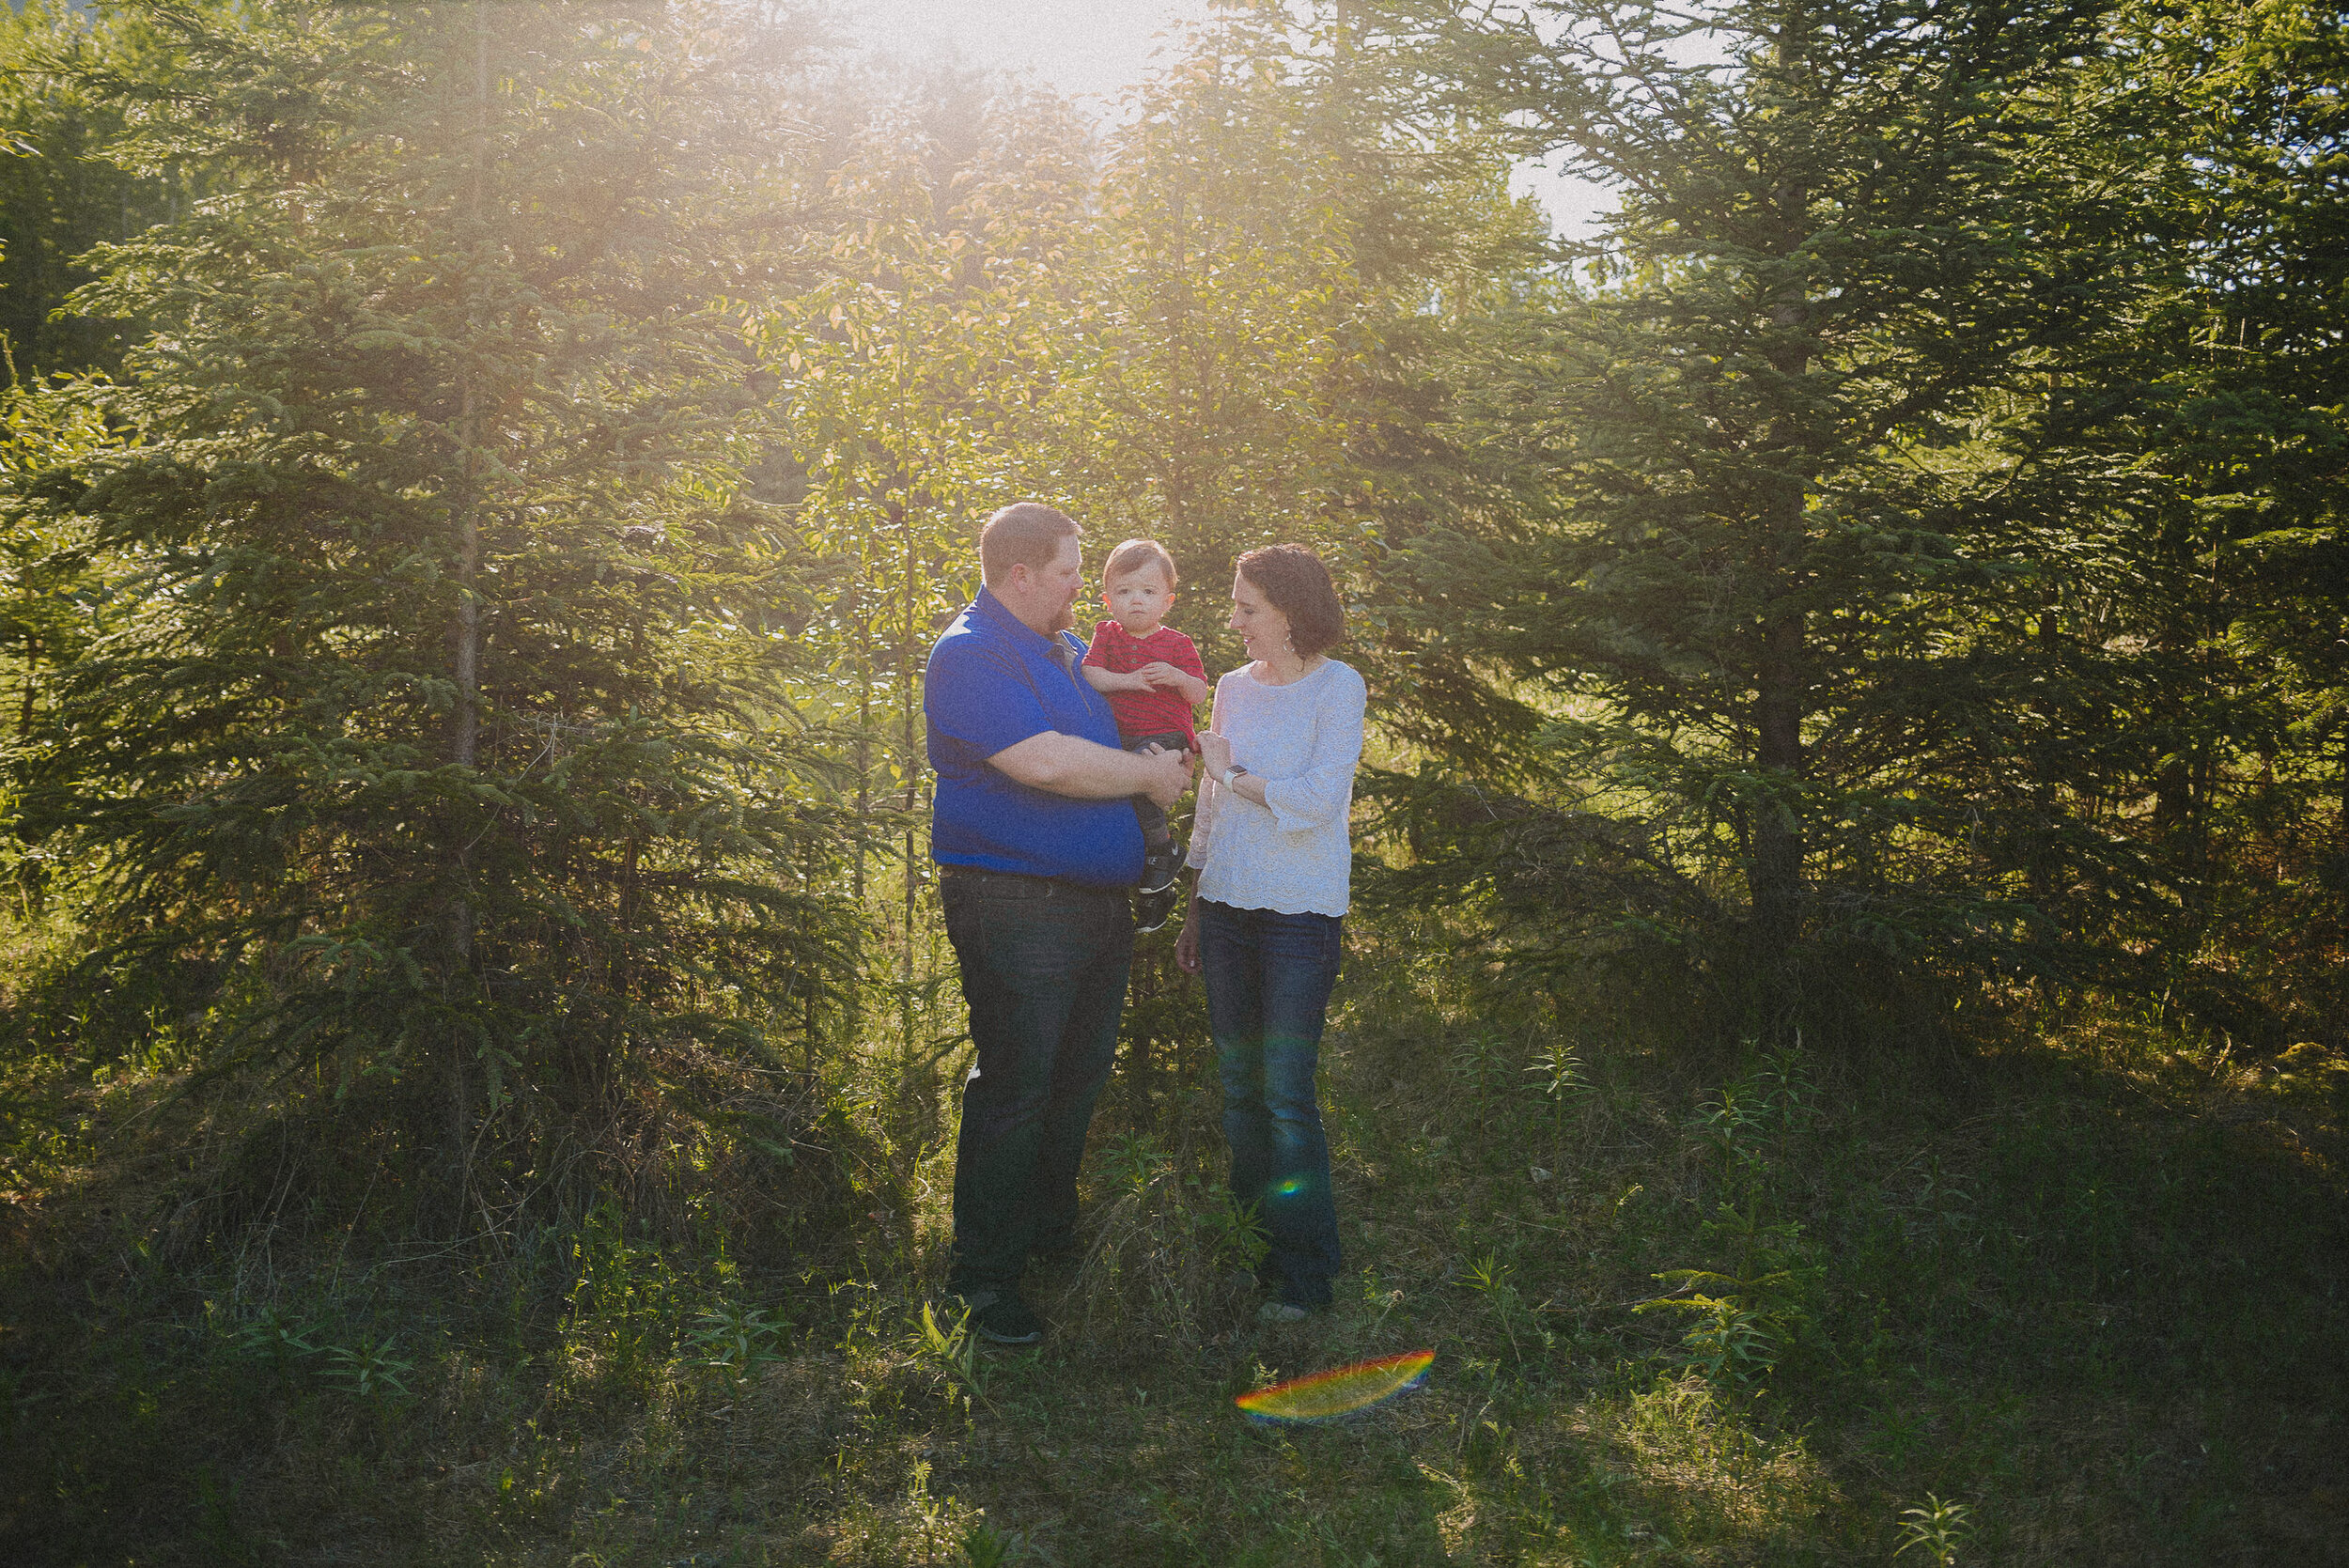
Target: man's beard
column 1066, row 619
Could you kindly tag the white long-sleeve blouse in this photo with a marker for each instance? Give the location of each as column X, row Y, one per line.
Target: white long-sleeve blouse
column 1292, row 854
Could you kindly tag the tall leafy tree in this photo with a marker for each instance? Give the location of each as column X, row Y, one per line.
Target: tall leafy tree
column 450, row 746
column 59, row 194
column 909, row 368
column 1225, row 322
column 2240, row 592
column 1818, row 418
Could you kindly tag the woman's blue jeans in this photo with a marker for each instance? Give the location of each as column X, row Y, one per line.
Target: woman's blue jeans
column 1268, row 980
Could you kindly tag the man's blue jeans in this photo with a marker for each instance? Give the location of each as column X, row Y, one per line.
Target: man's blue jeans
column 1044, row 969
column 1268, row 980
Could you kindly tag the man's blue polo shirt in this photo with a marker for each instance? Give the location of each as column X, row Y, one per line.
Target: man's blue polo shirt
column 993, row 682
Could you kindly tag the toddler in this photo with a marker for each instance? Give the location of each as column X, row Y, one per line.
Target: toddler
column 1152, row 678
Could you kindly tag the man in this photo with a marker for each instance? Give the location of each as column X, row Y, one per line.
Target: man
column 1036, row 847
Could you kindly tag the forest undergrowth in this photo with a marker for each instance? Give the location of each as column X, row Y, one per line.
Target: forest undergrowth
column 2066, row 1291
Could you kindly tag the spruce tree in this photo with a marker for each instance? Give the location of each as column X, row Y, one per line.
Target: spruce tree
column 59, row 194
column 449, row 757
column 1822, row 456
column 1224, row 320
column 2239, row 596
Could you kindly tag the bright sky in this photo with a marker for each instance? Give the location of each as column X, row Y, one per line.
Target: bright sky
column 1092, row 49
column 1082, row 47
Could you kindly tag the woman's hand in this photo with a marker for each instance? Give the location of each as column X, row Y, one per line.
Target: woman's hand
column 1187, row 945
column 1215, row 753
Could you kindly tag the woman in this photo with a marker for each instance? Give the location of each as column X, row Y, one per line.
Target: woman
column 1270, row 848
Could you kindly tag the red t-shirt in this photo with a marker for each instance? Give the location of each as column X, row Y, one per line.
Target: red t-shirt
column 1160, row 709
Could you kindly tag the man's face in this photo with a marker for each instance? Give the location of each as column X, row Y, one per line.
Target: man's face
column 1043, row 596
column 1066, row 578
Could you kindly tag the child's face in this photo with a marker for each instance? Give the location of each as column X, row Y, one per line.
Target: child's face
column 1139, row 599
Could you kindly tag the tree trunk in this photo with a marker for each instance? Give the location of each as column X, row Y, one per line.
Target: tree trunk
column 1778, row 836
column 909, row 748
column 24, row 707
column 464, row 736
column 1780, row 674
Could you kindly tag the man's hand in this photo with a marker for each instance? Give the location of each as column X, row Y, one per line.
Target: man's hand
column 1171, row 778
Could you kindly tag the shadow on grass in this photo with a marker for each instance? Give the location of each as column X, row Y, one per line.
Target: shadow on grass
column 1717, row 1305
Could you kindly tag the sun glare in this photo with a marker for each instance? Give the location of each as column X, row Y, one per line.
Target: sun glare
column 1096, row 50
column 1091, row 48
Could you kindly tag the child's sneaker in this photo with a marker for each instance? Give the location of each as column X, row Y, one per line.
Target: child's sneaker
column 1154, row 909
column 1160, row 867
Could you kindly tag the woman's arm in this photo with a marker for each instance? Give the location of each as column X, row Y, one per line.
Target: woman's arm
column 1187, row 945
column 1203, row 809
column 1318, row 793
column 1215, row 756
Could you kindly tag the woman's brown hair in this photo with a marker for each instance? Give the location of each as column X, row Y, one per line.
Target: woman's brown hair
column 1298, row 586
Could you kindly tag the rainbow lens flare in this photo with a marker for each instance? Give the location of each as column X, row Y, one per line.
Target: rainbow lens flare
column 1327, row 1396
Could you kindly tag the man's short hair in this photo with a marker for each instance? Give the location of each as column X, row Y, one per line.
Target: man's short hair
column 1024, row 533
column 1137, row 555
column 1298, row 586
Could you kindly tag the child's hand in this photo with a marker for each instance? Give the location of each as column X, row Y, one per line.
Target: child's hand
column 1161, row 674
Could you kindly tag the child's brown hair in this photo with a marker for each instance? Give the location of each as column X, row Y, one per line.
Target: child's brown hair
column 1139, row 555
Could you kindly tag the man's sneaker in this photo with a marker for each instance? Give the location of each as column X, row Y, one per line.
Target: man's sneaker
column 1059, row 1248
column 1282, row 1312
column 1154, row 909
column 1000, row 1315
column 1160, row 866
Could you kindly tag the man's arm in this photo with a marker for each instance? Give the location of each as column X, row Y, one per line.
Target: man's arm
column 1083, row 770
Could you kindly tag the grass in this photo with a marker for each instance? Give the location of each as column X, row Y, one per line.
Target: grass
column 2071, row 1297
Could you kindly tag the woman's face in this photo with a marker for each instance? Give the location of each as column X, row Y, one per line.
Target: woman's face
column 1263, row 630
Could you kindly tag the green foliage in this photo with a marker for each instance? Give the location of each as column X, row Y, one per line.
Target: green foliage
column 1562, row 1078
column 475, row 1081
column 61, row 591
column 61, row 196
column 984, row 1549
column 736, row 1341
column 368, row 1371
column 1826, row 603
column 453, row 745
column 1936, row 1530
column 2060, row 1225
column 951, row 1350
column 1229, row 327
column 626, row 1300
